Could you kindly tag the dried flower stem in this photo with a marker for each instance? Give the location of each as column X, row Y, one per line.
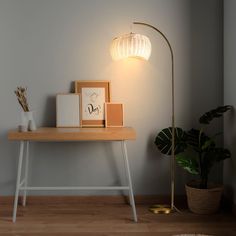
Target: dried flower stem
column 22, row 98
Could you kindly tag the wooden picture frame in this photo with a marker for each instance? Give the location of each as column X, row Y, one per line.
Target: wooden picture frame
column 94, row 95
column 68, row 110
column 114, row 114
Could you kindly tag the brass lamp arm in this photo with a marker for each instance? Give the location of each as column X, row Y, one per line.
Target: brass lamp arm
column 173, row 112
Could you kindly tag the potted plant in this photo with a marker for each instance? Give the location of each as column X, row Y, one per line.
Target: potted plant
column 196, row 153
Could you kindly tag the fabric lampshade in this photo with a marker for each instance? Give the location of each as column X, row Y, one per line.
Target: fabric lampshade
column 131, row 46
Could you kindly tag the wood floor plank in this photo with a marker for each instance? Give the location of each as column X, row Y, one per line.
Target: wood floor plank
column 57, row 219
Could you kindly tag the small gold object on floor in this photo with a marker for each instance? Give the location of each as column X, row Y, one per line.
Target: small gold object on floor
column 160, row 209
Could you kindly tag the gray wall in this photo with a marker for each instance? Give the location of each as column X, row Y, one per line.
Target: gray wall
column 229, row 94
column 47, row 44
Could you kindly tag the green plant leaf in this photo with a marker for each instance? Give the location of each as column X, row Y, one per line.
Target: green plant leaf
column 207, row 117
column 197, row 142
column 218, row 154
column 211, row 156
column 187, row 163
column 207, row 144
column 164, row 140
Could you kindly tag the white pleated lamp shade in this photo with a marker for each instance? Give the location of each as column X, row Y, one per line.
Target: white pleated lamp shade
column 131, row 46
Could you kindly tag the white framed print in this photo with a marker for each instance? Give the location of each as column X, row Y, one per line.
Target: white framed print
column 68, row 110
column 94, row 95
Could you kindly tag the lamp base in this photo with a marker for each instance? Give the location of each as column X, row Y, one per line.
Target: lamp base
column 160, row 209
column 163, row 209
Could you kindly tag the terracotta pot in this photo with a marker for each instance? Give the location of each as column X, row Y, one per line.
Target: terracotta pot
column 203, row 201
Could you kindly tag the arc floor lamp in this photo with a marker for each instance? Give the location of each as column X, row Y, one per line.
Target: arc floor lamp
column 139, row 46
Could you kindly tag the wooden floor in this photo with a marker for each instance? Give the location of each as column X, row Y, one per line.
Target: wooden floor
column 61, row 218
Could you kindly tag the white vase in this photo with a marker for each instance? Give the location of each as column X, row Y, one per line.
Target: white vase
column 27, row 120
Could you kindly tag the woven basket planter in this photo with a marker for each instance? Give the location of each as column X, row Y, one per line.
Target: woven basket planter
column 203, row 201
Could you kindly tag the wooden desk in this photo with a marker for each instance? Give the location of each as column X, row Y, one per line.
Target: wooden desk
column 67, row 135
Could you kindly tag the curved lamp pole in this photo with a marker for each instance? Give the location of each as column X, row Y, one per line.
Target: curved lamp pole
column 173, row 113
column 139, row 46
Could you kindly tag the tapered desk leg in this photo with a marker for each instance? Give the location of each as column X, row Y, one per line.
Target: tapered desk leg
column 126, row 175
column 18, row 180
column 26, row 172
column 127, row 169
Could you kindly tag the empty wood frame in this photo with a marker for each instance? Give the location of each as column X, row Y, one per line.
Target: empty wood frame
column 94, row 95
column 68, row 110
column 114, row 114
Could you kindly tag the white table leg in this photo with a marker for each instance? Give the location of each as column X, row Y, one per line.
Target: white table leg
column 26, row 172
column 18, row 180
column 131, row 194
column 126, row 175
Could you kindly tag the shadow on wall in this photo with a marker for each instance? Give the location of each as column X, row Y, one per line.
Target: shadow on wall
column 49, row 114
column 8, row 160
column 80, row 159
column 230, row 164
column 206, row 67
column 72, row 87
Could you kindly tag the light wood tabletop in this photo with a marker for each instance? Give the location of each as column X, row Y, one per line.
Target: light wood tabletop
column 74, row 134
